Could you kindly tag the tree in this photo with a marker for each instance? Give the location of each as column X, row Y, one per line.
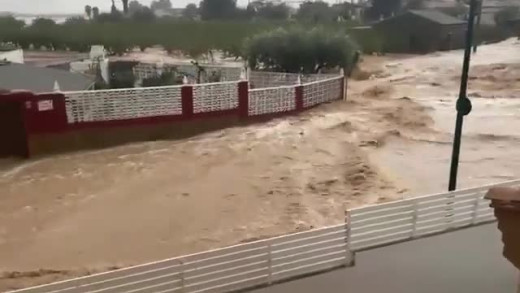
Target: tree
column 9, row 22
column 343, row 11
column 88, row 11
column 190, row 12
column 300, row 51
column 416, row 4
column 217, row 9
column 109, row 17
column 134, row 6
column 75, row 20
column 161, row 5
column 95, row 12
column 384, row 8
column 145, row 14
column 43, row 23
column 113, row 10
column 314, row 12
column 268, row 10
column 125, row 6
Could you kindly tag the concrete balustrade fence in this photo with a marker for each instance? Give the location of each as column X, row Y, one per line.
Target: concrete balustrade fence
column 46, row 123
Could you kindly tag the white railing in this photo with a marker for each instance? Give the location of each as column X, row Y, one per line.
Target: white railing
column 408, row 219
column 222, row 270
column 282, row 258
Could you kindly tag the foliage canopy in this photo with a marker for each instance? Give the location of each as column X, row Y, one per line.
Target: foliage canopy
column 297, row 50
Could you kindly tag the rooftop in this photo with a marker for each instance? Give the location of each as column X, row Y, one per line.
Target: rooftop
column 437, row 16
column 37, row 79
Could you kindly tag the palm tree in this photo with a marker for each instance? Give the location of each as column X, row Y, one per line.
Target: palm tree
column 95, row 12
column 125, row 6
column 114, row 8
column 88, row 11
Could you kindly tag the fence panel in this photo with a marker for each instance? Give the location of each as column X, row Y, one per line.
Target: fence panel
column 212, row 97
column 393, row 222
column 272, row 100
column 281, row 258
column 322, row 91
column 232, row 268
column 109, row 105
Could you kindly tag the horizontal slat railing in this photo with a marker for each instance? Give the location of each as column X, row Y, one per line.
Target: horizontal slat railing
column 281, row 258
column 233, row 268
column 394, row 222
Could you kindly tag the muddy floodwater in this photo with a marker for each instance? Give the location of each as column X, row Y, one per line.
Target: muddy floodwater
column 90, row 211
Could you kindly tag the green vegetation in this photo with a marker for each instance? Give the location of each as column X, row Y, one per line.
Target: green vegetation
column 297, row 50
column 193, row 38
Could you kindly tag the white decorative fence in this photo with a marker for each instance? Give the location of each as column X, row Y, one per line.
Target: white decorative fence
column 211, row 97
column 222, row 270
column 272, row 100
column 121, row 104
column 322, row 91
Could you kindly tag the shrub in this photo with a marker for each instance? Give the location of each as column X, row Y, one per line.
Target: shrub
column 298, row 50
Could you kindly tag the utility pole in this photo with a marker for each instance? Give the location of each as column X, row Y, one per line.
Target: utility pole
column 463, row 103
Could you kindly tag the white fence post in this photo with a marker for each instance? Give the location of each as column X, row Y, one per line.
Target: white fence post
column 182, row 277
column 269, row 264
column 350, row 257
column 415, row 217
column 449, row 210
column 475, row 211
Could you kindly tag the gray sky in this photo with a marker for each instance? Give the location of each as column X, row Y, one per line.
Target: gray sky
column 75, row 6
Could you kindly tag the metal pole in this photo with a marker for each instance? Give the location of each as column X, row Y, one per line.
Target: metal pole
column 479, row 20
column 463, row 103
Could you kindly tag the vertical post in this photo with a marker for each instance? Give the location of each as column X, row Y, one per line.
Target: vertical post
column 477, row 31
column 415, row 217
column 269, row 264
column 450, row 213
column 182, row 277
column 463, row 103
column 344, row 88
column 187, row 101
column 475, row 211
column 350, row 257
column 243, row 99
column 298, row 95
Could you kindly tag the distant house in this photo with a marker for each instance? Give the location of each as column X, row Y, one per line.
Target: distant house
column 37, row 79
column 172, row 12
column 421, row 31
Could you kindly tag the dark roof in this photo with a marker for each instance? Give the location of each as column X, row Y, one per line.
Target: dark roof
column 437, row 16
column 37, row 79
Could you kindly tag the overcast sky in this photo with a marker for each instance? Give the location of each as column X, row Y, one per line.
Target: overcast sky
column 73, row 6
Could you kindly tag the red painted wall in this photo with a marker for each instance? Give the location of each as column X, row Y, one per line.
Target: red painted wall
column 46, row 113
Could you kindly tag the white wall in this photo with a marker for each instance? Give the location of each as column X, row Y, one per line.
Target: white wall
column 15, row 56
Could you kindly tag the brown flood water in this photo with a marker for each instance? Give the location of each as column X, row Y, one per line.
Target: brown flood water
column 90, row 211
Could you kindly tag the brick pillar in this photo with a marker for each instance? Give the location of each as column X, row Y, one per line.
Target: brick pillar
column 298, row 94
column 243, row 99
column 187, row 101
